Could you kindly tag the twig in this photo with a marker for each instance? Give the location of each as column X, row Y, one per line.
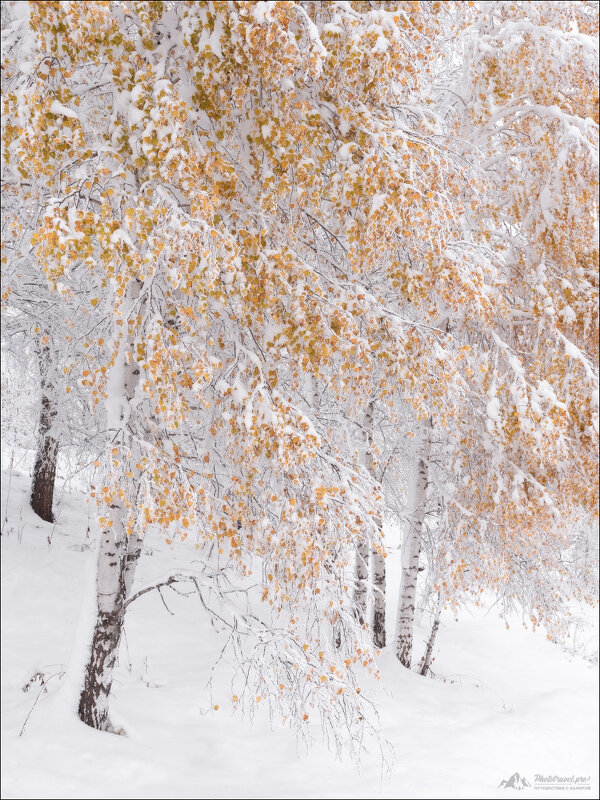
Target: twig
column 172, row 613
column 39, row 694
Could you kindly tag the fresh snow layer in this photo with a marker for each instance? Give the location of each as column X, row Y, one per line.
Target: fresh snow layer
column 502, row 701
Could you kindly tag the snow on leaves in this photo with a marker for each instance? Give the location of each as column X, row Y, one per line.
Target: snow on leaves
column 261, row 216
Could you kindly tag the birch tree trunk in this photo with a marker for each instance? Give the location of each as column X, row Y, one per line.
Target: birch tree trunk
column 110, row 588
column 118, row 553
column 378, row 566
column 411, row 550
column 44, row 468
column 377, row 558
column 431, row 641
column 361, row 575
column 361, row 562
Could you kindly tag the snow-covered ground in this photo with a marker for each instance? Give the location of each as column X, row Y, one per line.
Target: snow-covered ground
column 503, row 701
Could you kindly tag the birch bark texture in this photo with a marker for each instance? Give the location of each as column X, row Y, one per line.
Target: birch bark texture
column 411, row 549
column 377, row 555
column 361, row 564
column 427, row 658
column 44, row 468
column 119, row 551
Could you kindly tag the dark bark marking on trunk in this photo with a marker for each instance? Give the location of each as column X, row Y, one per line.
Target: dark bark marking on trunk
column 44, row 470
column 93, row 703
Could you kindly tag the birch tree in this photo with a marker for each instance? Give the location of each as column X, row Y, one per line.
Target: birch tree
column 525, row 368
column 260, row 216
column 201, row 195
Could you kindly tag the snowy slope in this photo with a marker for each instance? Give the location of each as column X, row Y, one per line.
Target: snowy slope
column 503, row 701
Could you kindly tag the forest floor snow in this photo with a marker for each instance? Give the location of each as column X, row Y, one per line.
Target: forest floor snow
column 502, row 701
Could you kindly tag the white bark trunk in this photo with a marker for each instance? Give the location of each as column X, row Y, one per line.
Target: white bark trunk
column 361, row 563
column 377, row 558
column 431, row 641
column 44, row 469
column 118, row 553
column 361, row 569
column 411, row 550
column 378, row 624
column 93, row 703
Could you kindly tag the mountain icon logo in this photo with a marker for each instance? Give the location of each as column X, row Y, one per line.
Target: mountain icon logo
column 515, row 781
